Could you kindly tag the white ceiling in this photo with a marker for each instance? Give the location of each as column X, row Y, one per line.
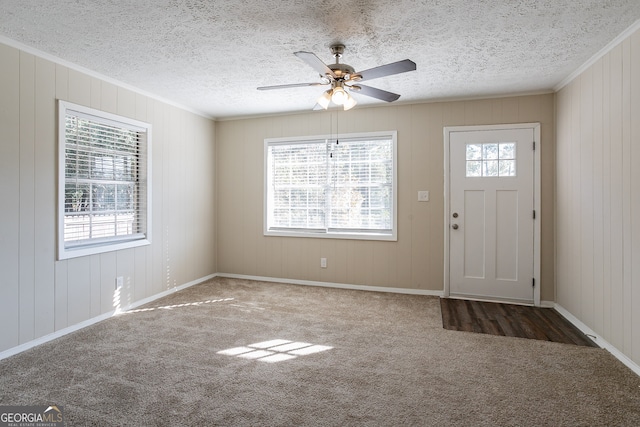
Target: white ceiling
column 210, row 56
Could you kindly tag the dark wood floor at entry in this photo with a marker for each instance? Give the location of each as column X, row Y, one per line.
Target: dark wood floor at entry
column 510, row 320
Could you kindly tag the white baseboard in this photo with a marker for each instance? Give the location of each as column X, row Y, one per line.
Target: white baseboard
column 57, row 334
column 598, row 339
column 335, row 285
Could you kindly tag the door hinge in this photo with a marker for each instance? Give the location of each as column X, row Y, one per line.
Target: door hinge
column 533, row 282
column 534, row 146
column 534, row 214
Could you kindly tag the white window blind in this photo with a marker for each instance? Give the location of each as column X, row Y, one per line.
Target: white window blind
column 103, row 195
column 331, row 188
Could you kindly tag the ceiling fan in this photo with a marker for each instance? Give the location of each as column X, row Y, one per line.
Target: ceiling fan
column 343, row 78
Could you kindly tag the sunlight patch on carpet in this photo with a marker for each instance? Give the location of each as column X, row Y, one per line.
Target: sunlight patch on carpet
column 185, row 304
column 277, row 350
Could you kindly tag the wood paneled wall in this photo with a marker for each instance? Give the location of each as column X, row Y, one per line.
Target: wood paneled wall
column 598, row 197
column 39, row 295
column 416, row 260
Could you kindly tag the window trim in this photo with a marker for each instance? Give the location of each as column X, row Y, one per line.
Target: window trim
column 99, row 245
column 332, row 233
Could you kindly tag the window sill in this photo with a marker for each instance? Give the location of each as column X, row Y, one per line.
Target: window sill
column 68, row 253
column 334, row 235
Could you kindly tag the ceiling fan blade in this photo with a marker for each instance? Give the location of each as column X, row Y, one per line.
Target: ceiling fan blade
column 289, row 86
column 315, row 63
column 388, row 69
column 377, row 93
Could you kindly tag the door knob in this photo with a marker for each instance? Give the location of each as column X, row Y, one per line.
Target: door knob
column 454, row 226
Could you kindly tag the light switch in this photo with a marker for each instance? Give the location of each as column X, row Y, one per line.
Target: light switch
column 423, row 196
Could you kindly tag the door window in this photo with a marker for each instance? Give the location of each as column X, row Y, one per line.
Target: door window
column 491, row 159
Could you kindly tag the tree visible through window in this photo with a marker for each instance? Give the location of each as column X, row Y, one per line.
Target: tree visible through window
column 331, row 188
column 103, row 188
column 491, row 159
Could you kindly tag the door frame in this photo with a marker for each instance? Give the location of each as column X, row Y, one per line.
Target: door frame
column 447, row 130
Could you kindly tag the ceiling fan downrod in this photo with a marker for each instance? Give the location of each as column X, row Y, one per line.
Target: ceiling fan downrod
column 337, row 50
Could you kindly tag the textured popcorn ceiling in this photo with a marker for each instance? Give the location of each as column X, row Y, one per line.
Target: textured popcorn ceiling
column 211, row 55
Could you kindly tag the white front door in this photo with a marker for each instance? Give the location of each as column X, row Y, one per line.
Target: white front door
column 491, row 212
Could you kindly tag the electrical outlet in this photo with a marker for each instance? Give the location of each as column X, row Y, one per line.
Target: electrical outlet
column 119, row 282
column 323, row 263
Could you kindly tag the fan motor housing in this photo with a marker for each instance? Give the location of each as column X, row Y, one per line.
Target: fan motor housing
column 341, row 70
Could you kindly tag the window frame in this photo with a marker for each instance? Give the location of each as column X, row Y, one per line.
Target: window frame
column 329, row 233
column 101, row 244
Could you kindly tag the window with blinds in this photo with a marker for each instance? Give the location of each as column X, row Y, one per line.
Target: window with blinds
column 324, row 187
column 103, row 181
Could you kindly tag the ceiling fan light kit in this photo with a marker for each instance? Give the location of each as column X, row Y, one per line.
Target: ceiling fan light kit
column 325, row 99
column 342, row 76
column 338, row 96
column 349, row 103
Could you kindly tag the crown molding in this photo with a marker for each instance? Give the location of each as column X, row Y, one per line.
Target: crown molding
column 602, row 52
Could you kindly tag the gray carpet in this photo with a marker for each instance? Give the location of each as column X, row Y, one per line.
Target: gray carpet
column 199, row 357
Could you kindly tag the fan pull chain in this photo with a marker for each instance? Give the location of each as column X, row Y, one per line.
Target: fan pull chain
column 333, row 175
column 337, row 127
